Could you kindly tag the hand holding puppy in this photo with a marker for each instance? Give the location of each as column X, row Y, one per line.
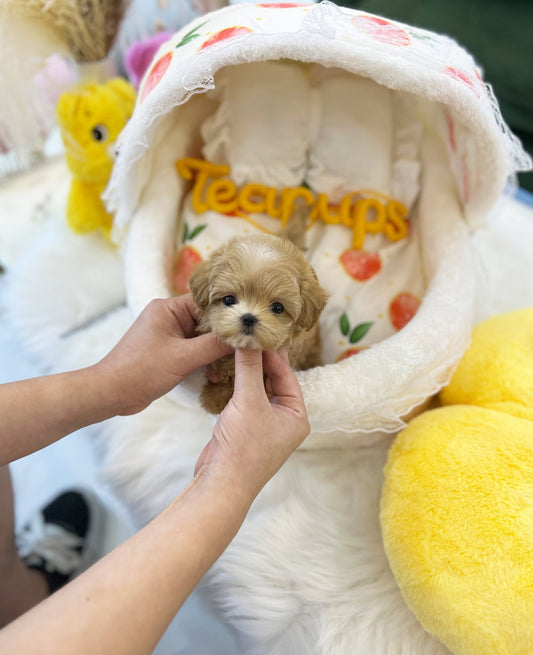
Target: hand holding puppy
column 159, row 350
column 262, row 424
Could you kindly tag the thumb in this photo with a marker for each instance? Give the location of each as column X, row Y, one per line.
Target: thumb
column 249, row 372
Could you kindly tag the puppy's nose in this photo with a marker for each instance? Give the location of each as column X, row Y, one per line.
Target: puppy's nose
column 248, row 322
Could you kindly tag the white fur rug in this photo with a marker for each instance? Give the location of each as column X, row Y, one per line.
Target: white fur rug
column 307, row 573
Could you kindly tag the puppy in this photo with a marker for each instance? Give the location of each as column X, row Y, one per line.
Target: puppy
column 257, row 292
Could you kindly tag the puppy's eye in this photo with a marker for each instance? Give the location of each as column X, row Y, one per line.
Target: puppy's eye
column 277, row 308
column 228, row 301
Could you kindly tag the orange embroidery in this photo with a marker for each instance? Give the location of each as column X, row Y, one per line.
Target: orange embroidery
column 365, row 212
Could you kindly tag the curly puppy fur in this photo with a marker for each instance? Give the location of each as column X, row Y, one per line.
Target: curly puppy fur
column 260, row 293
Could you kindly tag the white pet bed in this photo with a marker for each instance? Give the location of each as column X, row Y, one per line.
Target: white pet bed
column 340, row 101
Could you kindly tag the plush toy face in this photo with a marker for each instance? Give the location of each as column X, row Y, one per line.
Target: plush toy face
column 91, row 118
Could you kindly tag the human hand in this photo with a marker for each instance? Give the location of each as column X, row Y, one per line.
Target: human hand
column 158, row 351
column 259, row 428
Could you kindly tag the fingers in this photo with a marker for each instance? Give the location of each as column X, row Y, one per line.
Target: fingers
column 249, row 373
column 185, row 312
column 204, row 349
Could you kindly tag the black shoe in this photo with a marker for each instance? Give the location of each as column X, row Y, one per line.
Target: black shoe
column 62, row 539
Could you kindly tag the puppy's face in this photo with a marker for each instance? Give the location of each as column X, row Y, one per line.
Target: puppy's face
column 256, row 292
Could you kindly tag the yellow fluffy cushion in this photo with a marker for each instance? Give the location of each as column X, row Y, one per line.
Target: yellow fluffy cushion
column 497, row 370
column 457, row 503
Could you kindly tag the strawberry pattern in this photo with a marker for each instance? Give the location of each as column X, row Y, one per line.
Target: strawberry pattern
column 382, row 30
column 155, row 75
column 187, row 259
column 360, row 265
column 281, row 5
column 466, row 78
column 381, row 272
column 402, row 309
column 265, row 18
column 233, row 32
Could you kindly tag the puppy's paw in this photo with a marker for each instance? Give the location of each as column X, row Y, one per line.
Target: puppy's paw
column 215, row 397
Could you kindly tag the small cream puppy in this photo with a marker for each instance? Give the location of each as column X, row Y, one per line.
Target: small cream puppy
column 259, row 293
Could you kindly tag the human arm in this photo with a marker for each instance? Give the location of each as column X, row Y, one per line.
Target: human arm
column 123, row 604
column 157, row 353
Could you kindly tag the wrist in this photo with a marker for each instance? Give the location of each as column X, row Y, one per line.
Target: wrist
column 228, row 491
column 108, row 387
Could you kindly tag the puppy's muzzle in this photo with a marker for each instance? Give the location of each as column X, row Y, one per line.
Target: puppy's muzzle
column 248, row 323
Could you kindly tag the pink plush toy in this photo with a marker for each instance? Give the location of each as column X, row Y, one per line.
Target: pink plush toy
column 140, row 54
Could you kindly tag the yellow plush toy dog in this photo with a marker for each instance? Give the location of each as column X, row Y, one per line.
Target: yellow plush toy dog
column 91, row 118
column 457, row 503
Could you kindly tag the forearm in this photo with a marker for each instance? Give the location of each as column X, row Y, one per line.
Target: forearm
column 158, row 351
column 123, row 604
column 39, row 411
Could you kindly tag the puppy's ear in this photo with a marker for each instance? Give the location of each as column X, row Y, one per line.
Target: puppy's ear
column 313, row 296
column 199, row 284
